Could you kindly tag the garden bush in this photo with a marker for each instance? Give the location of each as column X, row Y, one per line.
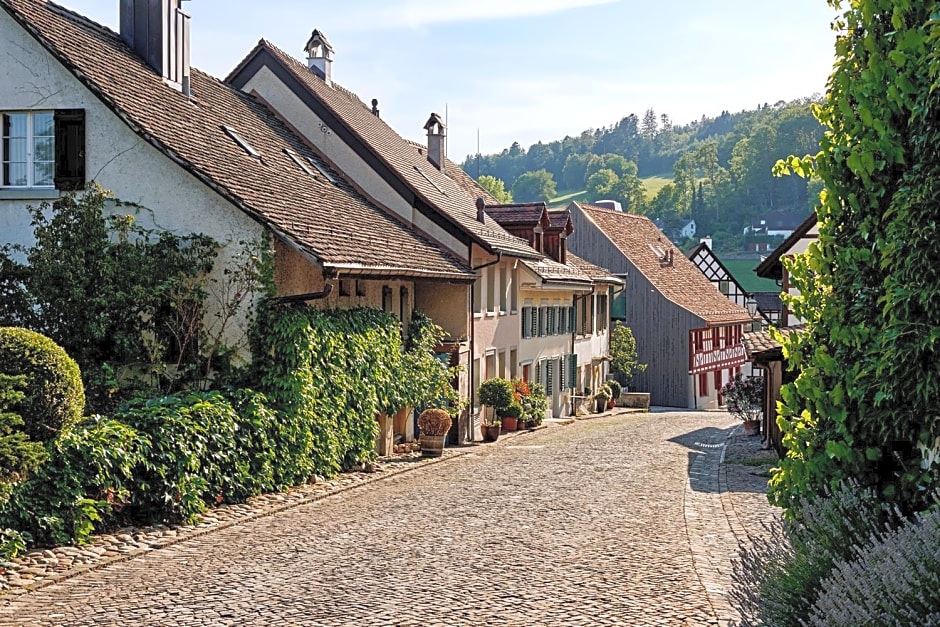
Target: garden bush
column 53, row 395
column 779, row 577
column 84, row 486
column 196, row 455
column 892, row 580
column 18, row 454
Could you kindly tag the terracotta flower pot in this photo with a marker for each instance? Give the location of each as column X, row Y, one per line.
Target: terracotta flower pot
column 509, row 424
column 490, row 433
column 752, row 427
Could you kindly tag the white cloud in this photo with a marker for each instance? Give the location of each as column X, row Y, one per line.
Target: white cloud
column 416, row 14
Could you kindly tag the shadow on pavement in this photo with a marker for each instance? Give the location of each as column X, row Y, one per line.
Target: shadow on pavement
column 747, row 469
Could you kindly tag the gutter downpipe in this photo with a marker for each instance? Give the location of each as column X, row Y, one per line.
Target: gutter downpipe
column 294, row 298
column 499, row 257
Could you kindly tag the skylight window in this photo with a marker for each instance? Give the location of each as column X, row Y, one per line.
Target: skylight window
column 296, row 159
column 241, row 142
column 322, row 170
column 426, row 178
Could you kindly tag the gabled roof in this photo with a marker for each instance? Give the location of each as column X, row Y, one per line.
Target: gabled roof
column 679, row 281
column 771, row 267
column 386, row 148
column 330, row 222
column 527, row 214
column 561, row 221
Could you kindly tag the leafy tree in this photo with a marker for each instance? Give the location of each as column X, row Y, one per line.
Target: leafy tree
column 601, row 184
column 623, row 357
column 650, row 124
column 496, row 187
column 863, row 404
column 534, row 186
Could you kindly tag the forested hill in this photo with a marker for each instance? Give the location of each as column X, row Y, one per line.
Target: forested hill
column 719, row 168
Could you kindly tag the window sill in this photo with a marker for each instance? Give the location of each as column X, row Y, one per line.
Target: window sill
column 28, row 193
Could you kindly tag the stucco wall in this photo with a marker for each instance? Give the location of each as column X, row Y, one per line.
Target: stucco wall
column 172, row 199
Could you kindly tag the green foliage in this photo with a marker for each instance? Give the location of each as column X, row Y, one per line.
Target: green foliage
column 496, row 393
column 127, row 303
column 53, row 396
column 863, row 403
column 84, row 485
column 535, row 403
column 725, row 161
column 18, row 454
column 329, row 374
column 12, row 543
column 200, row 453
column 780, row 575
column 496, row 187
column 614, row 388
column 623, row 357
column 534, row 187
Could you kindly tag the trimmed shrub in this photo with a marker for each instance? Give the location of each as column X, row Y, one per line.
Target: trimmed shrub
column 434, row 422
column 18, row 454
column 83, row 487
column 496, row 393
column 53, row 396
column 614, row 387
column 893, row 580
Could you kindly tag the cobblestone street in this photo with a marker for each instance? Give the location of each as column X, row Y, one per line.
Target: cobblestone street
column 624, row 519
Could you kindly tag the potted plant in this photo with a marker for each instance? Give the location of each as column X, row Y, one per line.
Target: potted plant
column 744, row 399
column 535, row 405
column 615, row 389
column 495, row 394
column 490, row 429
column 623, row 356
column 434, row 424
column 601, row 397
column 510, row 416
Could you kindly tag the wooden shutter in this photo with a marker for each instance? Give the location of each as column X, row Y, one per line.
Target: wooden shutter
column 543, row 321
column 549, row 380
column 572, row 370
column 69, row 149
column 562, row 372
column 526, row 322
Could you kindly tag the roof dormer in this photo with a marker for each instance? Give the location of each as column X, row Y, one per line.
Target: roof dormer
column 320, row 56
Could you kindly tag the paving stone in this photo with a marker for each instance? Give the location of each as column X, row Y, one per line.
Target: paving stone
column 625, row 519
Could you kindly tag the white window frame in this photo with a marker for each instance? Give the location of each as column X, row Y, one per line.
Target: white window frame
column 30, row 150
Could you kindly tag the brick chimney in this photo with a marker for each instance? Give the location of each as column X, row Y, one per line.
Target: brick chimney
column 436, row 140
column 320, row 56
column 158, row 31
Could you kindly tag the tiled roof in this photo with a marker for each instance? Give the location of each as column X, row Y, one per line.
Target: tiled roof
column 680, row 281
column 331, row 222
column 552, row 271
column 768, row 301
column 560, row 220
column 519, row 214
column 408, row 160
column 596, row 273
column 759, row 344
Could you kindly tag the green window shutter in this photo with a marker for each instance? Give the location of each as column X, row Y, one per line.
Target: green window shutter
column 551, row 320
column 549, row 377
column 572, row 370
column 526, row 322
column 543, row 321
column 538, row 372
column 533, row 322
column 562, row 372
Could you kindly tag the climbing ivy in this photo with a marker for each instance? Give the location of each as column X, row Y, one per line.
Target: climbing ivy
column 127, row 303
column 864, row 402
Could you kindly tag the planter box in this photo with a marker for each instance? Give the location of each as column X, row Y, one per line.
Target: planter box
column 635, row 400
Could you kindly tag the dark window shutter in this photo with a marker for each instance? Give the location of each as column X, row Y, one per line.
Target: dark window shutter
column 69, row 149
column 526, row 322
column 572, row 370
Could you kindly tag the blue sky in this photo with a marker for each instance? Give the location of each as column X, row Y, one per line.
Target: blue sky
column 530, row 70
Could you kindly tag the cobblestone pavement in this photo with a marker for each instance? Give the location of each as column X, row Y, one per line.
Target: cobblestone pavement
column 626, row 519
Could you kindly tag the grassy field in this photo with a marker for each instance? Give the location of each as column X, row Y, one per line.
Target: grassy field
column 652, row 185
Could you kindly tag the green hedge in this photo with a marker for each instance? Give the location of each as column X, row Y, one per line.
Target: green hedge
column 53, row 396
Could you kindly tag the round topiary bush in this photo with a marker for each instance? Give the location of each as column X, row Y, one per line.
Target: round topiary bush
column 54, row 397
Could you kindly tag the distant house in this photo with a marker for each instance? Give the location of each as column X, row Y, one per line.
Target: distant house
column 676, row 229
column 776, row 223
column 765, row 352
column 686, row 331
